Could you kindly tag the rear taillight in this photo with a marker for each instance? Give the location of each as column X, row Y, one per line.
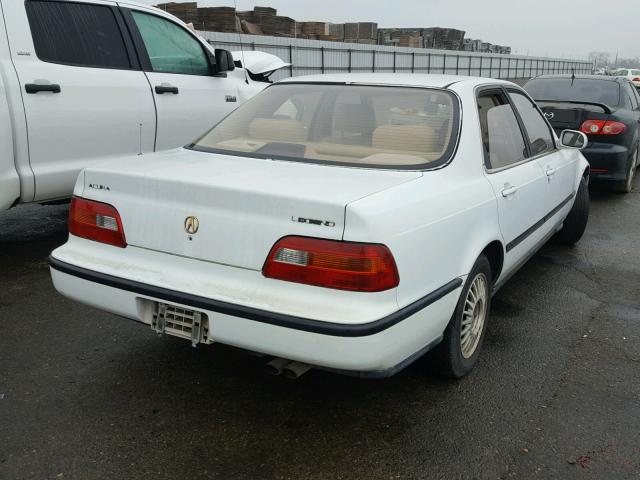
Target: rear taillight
column 361, row 267
column 96, row 221
column 602, row 127
column 637, row 79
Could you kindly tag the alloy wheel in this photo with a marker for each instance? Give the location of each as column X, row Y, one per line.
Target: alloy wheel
column 474, row 315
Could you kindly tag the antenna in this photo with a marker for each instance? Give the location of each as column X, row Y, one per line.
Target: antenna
column 239, row 28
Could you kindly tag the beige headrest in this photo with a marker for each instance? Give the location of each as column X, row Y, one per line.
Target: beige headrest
column 355, row 119
column 277, row 129
column 408, row 138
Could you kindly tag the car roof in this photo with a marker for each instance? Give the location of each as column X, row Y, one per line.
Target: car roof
column 394, row 79
column 569, row 76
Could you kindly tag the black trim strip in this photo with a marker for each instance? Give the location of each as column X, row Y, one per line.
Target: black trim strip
column 521, row 238
column 271, row 318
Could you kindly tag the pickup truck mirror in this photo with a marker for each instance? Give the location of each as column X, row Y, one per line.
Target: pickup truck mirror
column 224, row 61
column 573, row 139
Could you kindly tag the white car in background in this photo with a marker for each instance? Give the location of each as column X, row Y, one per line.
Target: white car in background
column 347, row 222
column 631, row 73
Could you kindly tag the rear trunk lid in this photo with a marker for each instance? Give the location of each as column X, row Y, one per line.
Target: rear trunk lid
column 571, row 115
column 240, row 206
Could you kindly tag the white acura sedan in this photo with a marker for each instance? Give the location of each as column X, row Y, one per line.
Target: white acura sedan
column 344, row 222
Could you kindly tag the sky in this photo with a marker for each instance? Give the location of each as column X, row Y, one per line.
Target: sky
column 556, row 28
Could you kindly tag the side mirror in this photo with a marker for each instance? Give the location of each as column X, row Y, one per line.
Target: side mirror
column 573, row 139
column 224, row 60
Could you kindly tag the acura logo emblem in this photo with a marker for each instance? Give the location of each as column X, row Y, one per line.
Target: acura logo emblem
column 549, row 115
column 191, row 225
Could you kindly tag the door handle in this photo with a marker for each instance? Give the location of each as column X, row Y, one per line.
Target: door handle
column 509, row 190
column 42, row 87
column 166, row 88
column 550, row 171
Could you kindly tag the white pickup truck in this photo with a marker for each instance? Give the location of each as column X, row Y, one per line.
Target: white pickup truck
column 84, row 81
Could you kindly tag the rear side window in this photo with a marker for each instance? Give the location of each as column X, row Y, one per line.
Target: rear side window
column 501, row 136
column 576, row 90
column 536, row 126
column 77, row 34
column 170, row 48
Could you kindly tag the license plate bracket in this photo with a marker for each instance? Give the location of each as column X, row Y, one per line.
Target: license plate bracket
column 181, row 322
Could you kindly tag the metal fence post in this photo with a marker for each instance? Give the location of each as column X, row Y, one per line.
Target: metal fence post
column 444, row 63
column 413, row 62
column 470, row 57
column 491, row 67
column 291, row 60
column 394, row 61
column 480, row 74
column 429, row 62
column 373, row 62
column 350, row 60
column 322, row 59
column 457, row 64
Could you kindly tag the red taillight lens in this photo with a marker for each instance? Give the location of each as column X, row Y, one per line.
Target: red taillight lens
column 602, row 127
column 361, row 267
column 637, row 79
column 96, row 221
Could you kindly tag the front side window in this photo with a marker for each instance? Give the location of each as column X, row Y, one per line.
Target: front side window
column 346, row 124
column 501, row 136
column 171, row 49
column 536, row 126
column 77, row 34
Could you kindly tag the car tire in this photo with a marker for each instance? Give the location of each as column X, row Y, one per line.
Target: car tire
column 626, row 185
column 458, row 352
column 576, row 222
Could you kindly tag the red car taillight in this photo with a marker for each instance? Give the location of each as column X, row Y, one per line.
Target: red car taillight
column 602, row 127
column 361, row 267
column 96, row 221
column 637, row 79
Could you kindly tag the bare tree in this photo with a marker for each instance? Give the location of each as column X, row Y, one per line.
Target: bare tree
column 600, row 59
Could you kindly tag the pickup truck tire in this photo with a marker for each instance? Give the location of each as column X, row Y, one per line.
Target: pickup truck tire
column 576, row 222
column 458, row 352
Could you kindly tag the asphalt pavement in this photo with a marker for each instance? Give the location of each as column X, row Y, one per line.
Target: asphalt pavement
column 556, row 394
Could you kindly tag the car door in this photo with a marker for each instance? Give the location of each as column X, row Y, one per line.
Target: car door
column 85, row 97
column 190, row 98
column 559, row 165
column 519, row 183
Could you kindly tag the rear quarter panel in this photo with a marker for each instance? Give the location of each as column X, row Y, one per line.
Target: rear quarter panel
column 9, row 180
column 436, row 226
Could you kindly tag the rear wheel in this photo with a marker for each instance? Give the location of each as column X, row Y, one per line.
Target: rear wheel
column 458, row 352
column 576, row 222
column 626, row 185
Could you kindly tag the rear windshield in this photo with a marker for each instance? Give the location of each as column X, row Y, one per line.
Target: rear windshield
column 378, row 126
column 577, row 90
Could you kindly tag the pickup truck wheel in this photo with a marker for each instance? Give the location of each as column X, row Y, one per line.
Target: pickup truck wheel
column 458, row 352
column 576, row 222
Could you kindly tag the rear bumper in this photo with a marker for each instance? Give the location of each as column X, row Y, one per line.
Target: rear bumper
column 375, row 348
column 608, row 162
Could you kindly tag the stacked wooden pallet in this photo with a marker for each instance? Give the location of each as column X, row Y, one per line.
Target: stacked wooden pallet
column 187, row 12
column 217, row 19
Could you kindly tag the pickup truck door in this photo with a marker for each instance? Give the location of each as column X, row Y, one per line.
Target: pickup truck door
column 189, row 98
column 85, row 97
column 518, row 181
column 560, row 166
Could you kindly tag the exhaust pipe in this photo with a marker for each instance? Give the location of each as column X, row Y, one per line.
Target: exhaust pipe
column 275, row 366
column 294, row 370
